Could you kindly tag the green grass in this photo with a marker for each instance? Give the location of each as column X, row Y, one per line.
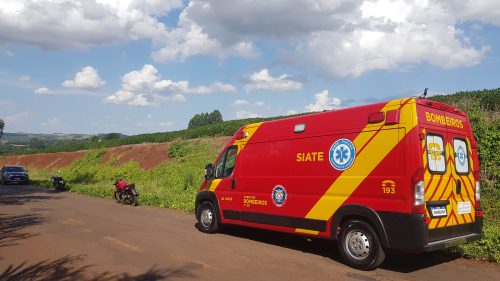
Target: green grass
column 489, row 247
column 169, row 185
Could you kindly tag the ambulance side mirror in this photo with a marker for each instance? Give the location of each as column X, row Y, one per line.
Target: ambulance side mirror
column 209, row 171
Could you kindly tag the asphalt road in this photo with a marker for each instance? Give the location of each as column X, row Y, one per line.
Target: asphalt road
column 46, row 235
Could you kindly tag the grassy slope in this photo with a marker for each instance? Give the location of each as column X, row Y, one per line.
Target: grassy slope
column 174, row 185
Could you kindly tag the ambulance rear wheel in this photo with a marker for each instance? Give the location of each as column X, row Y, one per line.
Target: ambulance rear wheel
column 360, row 246
column 208, row 220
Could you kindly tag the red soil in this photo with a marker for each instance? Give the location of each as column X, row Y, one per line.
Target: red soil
column 43, row 161
column 148, row 155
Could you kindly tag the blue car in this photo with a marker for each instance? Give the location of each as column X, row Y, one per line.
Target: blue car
column 14, row 174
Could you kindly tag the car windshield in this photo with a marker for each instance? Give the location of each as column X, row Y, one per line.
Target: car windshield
column 14, row 169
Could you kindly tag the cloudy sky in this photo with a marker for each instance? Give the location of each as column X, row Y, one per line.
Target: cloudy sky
column 138, row 66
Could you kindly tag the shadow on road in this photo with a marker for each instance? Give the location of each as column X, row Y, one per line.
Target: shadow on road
column 406, row 263
column 11, row 228
column 19, row 195
column 67, row 268
column 321, row 247
column 397, row 262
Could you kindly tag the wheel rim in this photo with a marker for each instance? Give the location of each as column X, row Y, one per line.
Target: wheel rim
column 357, row 245
column 206, row 218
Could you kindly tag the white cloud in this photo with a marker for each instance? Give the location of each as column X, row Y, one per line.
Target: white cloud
column 87, row 79
column 262, row 80
column 144, row 88
column 322, row 102
column 53, row 123
column 43, row 91
column 240, row 102
column 257, row 104
column 5, row 104
column 236, row 21
column 151, row 124
column 189, row 39
column 260, row 104
column 246, row 114
column 391, row 34
column 13, row 118
column 24, row 78
column 291, row 112
column 63, row 24
column 338, row 39
column 486, row 11
column 4, row 52
column 166, row 124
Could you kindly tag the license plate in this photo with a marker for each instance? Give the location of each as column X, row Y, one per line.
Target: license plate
column 438, row 211
column 464, row 208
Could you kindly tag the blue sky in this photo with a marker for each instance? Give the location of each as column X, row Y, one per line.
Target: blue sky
column 131, row 66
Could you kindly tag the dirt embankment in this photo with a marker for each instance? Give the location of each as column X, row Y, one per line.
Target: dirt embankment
column 43, row 161
column 148, row 155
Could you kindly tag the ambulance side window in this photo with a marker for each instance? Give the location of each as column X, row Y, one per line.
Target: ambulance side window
column 436, row 156
column 225, row 166
column 461, row 156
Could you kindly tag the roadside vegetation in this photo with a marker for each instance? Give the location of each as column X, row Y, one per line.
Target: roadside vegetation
column 483, row 109
column 168, row 185
column 174, row 184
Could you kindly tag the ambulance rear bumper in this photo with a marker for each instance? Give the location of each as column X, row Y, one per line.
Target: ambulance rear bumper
column 409, row 233
column 450, row 242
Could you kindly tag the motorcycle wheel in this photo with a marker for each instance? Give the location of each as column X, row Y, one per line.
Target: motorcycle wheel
column 118, row 197
column 134, row 201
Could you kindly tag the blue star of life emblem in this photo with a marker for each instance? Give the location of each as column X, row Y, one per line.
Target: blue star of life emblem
column 461, row 156
column 342, row 154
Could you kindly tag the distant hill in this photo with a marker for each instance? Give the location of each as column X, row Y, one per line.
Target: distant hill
column 24, row 138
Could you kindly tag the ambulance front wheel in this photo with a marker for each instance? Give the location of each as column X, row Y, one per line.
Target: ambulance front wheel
column 208, row 220
column 360, row 246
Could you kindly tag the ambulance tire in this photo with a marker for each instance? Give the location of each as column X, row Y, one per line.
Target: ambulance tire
column 360, row 246
column 208, row 220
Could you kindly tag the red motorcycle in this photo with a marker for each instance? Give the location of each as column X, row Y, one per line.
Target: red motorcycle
column 125, row 193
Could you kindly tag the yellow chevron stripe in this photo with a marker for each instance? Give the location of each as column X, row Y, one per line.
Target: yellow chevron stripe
column 378, row 148
column 214, row 184
column 432, row 185
column 466, row 189
column 306, row 231
column 433, row 223
column 249, row 131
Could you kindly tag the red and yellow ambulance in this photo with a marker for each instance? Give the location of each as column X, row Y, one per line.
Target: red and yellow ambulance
column 401, row 175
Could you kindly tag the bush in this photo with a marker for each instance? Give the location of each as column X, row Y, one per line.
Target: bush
column 205, row 119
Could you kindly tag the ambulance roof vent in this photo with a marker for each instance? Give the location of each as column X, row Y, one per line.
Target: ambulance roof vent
column 299, row 128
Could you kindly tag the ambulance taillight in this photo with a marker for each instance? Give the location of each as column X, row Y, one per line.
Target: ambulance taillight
column 418, row 192
column 479, row 211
